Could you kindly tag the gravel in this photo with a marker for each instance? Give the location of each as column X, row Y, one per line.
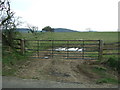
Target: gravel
column 14, row 82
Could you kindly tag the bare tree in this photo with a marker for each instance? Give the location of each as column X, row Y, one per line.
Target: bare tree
column 8, row 23
column 33, row 30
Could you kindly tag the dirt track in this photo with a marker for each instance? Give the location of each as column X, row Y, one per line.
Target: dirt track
column 59, row 70
column 52, row 69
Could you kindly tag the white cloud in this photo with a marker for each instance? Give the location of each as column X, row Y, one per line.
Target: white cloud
column 73, row 14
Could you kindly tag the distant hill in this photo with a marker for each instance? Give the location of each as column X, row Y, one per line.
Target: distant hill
column 63, row 30
column 25, row 30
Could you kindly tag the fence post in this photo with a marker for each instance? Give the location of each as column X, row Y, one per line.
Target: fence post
column 83, row 49
column 38, row 48
column 22, row 45
column 52, row 48
column 100, row 49
column 67, row 49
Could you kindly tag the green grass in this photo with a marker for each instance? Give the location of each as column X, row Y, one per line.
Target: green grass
column 11, row 61
column 105, row 77
column 9, row 72
column 12, row 57
column 105, row 36
column 107, row 80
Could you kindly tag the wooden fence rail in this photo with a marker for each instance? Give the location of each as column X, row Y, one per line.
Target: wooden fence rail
column 111, row 48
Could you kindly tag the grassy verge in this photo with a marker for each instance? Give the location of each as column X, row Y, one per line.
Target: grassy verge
column 102, row 71
column 108, row 70
column 11, row 62
column 105, row 76
column 108, row 80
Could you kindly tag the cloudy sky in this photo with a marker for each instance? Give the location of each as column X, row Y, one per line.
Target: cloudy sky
column 99, row 15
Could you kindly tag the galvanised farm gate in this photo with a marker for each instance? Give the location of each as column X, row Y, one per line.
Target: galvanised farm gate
column 64, row 49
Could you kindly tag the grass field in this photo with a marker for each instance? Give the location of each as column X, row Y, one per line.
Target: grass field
column 105, row 36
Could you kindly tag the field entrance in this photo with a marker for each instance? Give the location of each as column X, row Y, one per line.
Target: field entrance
column 64, row 49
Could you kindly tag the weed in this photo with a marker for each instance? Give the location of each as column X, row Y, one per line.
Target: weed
column 9, row 72
column 100, row 68
column 114, row 63
column 11, row 61
column 107, row 80
column 35, row 78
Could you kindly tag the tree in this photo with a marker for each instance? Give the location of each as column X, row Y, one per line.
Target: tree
column 48, row 29
column 8, row 23
column 33, row 30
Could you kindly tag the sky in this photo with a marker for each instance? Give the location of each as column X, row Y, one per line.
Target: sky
column 80, row 15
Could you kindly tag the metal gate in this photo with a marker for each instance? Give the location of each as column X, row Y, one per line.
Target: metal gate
column 64, row 49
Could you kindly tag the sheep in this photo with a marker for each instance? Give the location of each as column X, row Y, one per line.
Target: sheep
column 63, row 49
column 72, row 49
column 80, row 50
column 60, row 49
column 69, row 49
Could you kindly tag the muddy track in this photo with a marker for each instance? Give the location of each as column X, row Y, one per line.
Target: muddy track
column 52, row 69
column 51, row 74
column 58, row 70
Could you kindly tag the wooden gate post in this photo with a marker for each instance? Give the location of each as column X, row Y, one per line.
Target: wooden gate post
column 67, row 49
column 38, row 48
column 100, row 49
column 83, row 49
column 22, row 45
column 52, row 47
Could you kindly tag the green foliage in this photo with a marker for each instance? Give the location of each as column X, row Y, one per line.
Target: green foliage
column 107, row 80
column 11, row 60
column 9, row 72
column 8, row 23
column 99, row 68
column 114, row 63
column 8, row 37
column 101, row 71
column 104, row 76
column 48, row 29
column 13, row 57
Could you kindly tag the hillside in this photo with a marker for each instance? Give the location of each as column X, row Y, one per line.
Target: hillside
column 63, row 30
column 25, row 30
